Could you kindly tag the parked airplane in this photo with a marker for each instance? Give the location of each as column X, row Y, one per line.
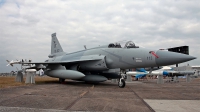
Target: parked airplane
column 99, row 64
column 166, row 71
column 174, row 71
column 142, row 72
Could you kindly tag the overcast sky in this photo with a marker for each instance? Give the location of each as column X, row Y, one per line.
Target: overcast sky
column 27, row 25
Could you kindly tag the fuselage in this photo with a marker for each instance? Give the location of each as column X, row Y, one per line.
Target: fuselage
column 126, row 58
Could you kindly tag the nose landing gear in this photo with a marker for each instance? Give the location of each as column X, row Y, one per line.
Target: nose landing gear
column 122, row 82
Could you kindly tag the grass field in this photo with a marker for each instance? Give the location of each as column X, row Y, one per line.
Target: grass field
column 10, row 81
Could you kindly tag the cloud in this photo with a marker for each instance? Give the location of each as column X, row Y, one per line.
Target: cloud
column 2, row 2
column 27, row 25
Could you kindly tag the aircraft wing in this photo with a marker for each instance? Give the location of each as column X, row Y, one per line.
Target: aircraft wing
column 60, row 62
column 72, row 60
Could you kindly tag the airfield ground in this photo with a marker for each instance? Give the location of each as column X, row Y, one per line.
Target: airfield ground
column 47, row 95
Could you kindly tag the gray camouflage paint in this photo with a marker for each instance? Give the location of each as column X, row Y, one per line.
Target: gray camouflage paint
column 104, row 58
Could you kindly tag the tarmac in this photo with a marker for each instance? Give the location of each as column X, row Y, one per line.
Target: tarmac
column 139, row 96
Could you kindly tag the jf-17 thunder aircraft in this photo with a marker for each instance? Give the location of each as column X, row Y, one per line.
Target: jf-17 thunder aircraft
column 101, row 63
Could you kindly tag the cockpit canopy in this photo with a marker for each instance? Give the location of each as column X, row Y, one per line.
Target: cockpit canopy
column 128, row 44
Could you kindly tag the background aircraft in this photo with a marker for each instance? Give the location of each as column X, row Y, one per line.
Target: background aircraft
column 142, row 72
column 102, row 63
column 13, row 62
column 175, row 71
column 166, row 71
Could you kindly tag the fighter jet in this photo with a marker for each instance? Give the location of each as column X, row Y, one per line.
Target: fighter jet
column 101, row 63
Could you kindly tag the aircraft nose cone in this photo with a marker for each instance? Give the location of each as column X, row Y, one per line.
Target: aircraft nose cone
column 170, row 58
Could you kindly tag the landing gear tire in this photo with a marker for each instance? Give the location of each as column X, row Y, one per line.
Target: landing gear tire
column 61, row 80
column 122, row 83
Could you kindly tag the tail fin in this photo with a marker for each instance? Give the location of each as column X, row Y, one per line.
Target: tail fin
column 55, row 45
column 9, row 63
column 56, row 48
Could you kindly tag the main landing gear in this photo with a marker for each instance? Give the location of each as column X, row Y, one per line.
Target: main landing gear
column 61, row 80
column 122, row 82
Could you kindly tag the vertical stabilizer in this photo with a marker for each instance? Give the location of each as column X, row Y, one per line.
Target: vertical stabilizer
column 56, row 48
column 55, row 45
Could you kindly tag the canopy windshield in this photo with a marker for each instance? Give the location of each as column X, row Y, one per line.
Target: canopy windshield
column 128, row 44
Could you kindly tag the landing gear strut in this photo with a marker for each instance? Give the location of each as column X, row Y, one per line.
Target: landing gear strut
column 122, row 82
column 61, row 80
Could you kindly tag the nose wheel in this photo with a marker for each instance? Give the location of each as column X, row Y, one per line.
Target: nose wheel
column 122, row 82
